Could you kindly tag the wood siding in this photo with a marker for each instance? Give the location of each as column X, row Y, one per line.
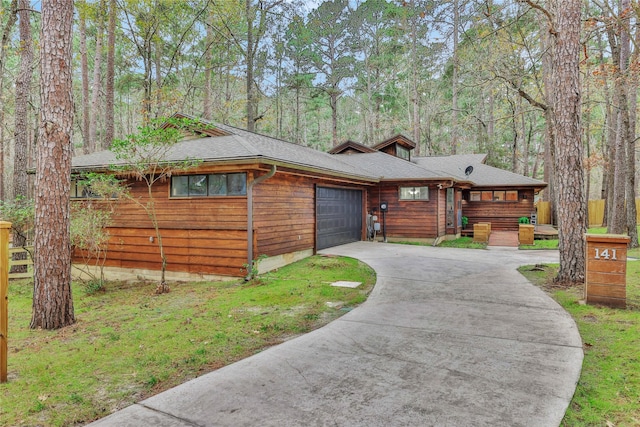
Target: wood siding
column 208, row 235
column 205, row 235
column 284, row 215
column 406, row 218
column 503, row 215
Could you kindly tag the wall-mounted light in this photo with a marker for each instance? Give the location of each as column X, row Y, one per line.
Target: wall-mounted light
column 524, row 196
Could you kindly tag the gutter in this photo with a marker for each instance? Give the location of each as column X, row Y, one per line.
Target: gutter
column 252, row 184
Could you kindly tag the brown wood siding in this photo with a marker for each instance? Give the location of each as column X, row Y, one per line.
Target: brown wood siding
column 501, row 214
column 222, row 252
column 209, row 234
column 205, row 235
column 406, row 218
column 182, row 213
column 284, row 213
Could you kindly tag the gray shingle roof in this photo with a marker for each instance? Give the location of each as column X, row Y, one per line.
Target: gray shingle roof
column 482, row 176
column 243, row 146
column 390, row 168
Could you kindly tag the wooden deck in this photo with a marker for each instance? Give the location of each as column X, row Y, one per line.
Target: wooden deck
column 545, row 231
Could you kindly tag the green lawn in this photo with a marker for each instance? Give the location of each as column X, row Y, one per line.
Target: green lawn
column 129, row 343
column 608, row 392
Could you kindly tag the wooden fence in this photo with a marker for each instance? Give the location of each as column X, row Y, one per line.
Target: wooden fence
column 4, row 300
column 595, row 212
column 28, row 262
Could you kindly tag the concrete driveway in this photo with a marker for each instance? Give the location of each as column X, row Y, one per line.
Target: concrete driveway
column 448, row 337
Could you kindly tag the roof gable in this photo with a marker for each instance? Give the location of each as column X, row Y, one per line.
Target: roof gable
column 399, row 139
column 351, row 147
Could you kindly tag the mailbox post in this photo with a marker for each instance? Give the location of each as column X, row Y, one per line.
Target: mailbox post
column 606, row 265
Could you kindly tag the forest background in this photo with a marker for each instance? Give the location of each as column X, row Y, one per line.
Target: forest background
column 460, row 76
column 456, row 76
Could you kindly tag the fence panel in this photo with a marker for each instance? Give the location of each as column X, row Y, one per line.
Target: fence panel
column 595, row 212
column 544, row 212
column 28, row 262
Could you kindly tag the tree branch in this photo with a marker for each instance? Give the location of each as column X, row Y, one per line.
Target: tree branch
column 544, row 11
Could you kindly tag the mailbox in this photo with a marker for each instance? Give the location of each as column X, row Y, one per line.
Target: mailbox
column 606, row 265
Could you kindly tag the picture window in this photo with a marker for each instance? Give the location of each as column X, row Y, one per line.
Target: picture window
column 219, row 184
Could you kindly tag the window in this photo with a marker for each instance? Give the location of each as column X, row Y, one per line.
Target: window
column 414, row 193
column 493, row 196
column 403, row 153
column 219, row 184
column 81, row 191
column 512, row 196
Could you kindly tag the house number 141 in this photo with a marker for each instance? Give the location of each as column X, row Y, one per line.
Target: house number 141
column 606, row 254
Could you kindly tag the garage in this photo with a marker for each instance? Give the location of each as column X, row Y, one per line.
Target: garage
column 338, row 216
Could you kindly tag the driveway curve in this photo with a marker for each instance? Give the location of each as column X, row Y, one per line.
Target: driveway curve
column 448, row 337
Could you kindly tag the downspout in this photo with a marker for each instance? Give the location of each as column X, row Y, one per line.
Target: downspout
column 437, row 239
column 252, row 184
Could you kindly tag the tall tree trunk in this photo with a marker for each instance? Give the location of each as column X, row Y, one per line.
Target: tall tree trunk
column 109, row 125
column 620, row 56
column 97, row 80
column 84, row 76
column 6, row 35
column 415, row 95
column 160, row 108
column 569, row 155
column 208, row 57
column 52, row 299
column 454, row 79
column 632, row 215
column 550, row 193
column 333, row 101
column 250, row 57
column 23, row 86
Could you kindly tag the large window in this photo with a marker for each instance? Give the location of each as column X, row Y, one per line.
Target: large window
column 219, row 184
column 414, row 193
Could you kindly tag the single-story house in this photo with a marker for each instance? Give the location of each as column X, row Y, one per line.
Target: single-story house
column 254, row 195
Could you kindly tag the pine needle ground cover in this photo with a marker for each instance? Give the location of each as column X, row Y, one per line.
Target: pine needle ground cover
column 129, row 343
column 608, row 393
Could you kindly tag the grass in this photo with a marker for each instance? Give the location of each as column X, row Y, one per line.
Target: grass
column 128, row 343
column 462, row 242
column 541, row 244
column 608, row 392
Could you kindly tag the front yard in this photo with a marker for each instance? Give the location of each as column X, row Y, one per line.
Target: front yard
column 608, row 393
column 129, row 343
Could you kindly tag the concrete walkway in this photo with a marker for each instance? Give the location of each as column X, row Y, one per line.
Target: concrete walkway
column 448, row 337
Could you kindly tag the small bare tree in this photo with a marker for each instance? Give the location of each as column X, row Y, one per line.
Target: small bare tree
column 144, row 156
column 89, row 225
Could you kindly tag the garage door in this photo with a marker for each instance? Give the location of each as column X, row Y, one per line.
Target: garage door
column 338, row 216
